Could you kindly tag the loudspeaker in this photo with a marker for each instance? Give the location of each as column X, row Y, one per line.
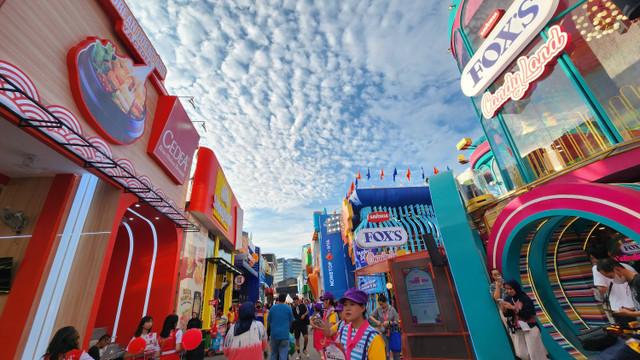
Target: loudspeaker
column 631, row 8
column 434, row 253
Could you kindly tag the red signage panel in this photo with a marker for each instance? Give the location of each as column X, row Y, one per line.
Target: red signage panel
column 173, row 140
column 491, row 22
column 378, row 216
column 132, row 34
column 212, row 200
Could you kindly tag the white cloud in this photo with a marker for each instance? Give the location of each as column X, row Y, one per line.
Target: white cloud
column 300, row 95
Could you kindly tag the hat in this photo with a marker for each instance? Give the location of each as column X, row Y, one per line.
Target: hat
column 339, row 307
column 317, row 306
column 327, row 296
column 355, row 295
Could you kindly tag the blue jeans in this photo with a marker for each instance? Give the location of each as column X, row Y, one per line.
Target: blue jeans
column 279, row 349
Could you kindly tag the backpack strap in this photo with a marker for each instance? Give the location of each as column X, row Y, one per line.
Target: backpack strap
column 365, row 353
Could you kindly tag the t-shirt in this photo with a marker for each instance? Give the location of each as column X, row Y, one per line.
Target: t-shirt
column 620, row 293
column 298, row 311
column 371, row 340
column 94, row 352
column 280, row 318
column 168, row 345
column 635, row 289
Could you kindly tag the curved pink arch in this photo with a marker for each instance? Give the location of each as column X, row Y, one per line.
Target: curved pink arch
column 478, row 152
column 614, row 202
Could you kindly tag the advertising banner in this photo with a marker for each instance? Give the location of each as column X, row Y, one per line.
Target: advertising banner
column 109, row 90
column 173, row 140
column 191, row 276
column 333, row 261
column 212, row 201
column 368, row 284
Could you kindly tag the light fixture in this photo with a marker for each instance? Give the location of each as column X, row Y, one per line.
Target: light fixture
column 601, row 228
column 451, row 7
column 389, row 286
column 137, row 205
column 190, row 100
column 204, row 124
column 131, row 219
column 157, row 218
column 448, row 50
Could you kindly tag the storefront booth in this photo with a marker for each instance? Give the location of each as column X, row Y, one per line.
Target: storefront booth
column 214, row 205
column 95, row 158
column 564, row 147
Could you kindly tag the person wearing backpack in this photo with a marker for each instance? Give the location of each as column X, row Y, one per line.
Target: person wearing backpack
column 356, row 339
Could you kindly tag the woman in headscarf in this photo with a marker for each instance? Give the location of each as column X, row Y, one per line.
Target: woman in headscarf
column 522, row 322
column 247, row 338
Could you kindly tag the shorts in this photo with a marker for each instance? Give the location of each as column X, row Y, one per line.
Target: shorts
column 299, row 329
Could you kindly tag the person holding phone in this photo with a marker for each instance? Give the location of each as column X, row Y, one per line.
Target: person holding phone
column 522, row 322
column 496, row 288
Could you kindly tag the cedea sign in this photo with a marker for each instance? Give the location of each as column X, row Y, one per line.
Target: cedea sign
column 519, row 26
column 381, row 237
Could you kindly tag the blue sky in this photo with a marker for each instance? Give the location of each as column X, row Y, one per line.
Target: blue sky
column 300, row 95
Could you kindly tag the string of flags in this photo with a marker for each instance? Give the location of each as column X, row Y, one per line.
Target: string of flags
column 354, row 184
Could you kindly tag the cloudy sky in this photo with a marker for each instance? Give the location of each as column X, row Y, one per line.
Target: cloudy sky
column 300, row 95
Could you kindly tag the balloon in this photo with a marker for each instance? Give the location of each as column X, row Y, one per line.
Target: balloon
column 137, row 345
column 191, row 339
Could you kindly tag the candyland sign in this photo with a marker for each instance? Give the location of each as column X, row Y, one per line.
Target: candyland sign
column 381, row 237
column 531, row 68
column 521, row 23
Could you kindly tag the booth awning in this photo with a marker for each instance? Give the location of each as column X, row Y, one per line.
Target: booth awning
column 224, row 265
column 383, row 266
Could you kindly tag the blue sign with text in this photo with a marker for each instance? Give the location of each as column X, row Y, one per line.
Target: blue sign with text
column 334, row 275
column 368, row 284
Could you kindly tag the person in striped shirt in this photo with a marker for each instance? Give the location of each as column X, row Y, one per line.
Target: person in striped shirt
column 358, row 339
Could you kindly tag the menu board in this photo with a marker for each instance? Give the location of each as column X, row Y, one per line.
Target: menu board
column 422, row 296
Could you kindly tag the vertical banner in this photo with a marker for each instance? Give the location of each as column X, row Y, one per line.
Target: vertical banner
column 332, row 256
column 191, row 276
column 368, row 284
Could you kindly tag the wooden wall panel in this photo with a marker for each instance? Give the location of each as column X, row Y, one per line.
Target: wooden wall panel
column 36, row 36
column 28, row 195
column 77, row 300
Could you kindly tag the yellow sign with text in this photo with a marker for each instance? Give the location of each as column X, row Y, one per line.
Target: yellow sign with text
column 222, row 201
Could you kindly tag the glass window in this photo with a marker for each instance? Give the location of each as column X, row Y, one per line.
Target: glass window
column 605, row 48
column 462, row 56
column 552, row 126
column 503, row 154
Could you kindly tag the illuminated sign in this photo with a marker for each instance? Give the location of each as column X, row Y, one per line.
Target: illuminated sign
column 521, row 23
column 516, row 85
column 381, row 237
column 222, row 201
column 378, row 216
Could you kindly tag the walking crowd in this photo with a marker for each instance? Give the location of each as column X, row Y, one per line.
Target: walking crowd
column 341, row 330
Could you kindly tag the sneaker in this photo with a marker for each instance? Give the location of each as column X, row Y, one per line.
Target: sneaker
column 298, row 357
column 306, row 353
